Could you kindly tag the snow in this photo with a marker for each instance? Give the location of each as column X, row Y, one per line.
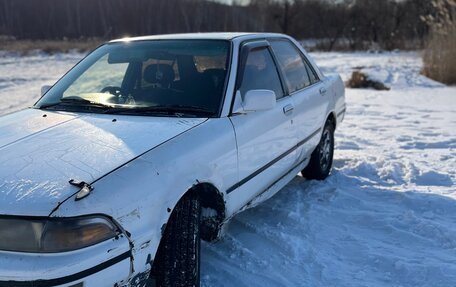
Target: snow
column 21, row 78
column 399, row 70
column 385, row 217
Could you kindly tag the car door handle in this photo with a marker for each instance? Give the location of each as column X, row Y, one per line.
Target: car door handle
column 322, row 91
column 288, row 109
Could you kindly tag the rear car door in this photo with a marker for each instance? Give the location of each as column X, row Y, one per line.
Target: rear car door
column 307, row 91
column 266, row 139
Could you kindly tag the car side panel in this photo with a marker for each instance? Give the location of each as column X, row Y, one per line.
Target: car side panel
column 337, row 88
column 141, row 195
column 311, row 109
column 262, row 138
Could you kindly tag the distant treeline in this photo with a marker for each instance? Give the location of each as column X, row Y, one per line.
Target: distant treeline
column 388, row 23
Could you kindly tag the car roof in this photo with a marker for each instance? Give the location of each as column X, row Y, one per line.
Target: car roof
column 200, row 36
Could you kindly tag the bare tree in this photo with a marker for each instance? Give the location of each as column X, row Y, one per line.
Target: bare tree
column 388, row 23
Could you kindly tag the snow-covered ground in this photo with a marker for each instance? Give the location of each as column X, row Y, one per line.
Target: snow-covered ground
column 21, row 78
column 385, row 217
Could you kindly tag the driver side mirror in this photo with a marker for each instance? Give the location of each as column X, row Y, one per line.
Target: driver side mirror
column 259, row 100
column 45, row 89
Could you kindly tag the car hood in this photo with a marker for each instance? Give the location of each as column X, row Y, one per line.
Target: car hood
column 41, row 151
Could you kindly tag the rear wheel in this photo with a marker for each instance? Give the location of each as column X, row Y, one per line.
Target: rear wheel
column 320, row 163
column 177, row 262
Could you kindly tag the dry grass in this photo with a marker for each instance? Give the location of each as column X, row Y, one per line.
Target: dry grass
column 359, row 80
column 25, row 47
column 440, row 56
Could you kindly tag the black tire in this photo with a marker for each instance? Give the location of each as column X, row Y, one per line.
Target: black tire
column 321, row 161
column 177, row 262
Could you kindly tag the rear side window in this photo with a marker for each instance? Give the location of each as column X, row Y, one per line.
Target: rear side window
column 260, row 73
column 297, row 72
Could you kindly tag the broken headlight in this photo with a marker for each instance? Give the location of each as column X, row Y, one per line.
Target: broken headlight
column 54, row 234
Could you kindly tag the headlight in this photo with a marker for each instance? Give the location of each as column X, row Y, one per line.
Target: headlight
column 54, row 234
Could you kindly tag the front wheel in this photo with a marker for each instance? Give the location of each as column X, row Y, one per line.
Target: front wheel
column 177, row 262
column 320, row 163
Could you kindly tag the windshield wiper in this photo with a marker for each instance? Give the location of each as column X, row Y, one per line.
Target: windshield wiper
column 76, row 102
column 175, row 110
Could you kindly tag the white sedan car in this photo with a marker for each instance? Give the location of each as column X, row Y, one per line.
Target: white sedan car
column 149, row 145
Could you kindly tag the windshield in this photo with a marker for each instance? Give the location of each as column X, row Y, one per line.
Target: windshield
column 171, row 77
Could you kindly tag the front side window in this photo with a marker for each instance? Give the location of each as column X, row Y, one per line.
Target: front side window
column 297, row 73
column 260, row 73
column 163, row 77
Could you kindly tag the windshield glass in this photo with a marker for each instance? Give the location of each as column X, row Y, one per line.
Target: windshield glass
column 183, row 77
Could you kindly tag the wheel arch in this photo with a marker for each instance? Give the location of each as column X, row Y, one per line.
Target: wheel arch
column 332, row 119
column 213, row 209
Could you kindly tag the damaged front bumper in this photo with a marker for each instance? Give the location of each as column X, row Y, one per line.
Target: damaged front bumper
column 105, row 264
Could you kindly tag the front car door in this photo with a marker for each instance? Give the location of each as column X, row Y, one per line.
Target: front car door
column 307, row 92
column 266, row 140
